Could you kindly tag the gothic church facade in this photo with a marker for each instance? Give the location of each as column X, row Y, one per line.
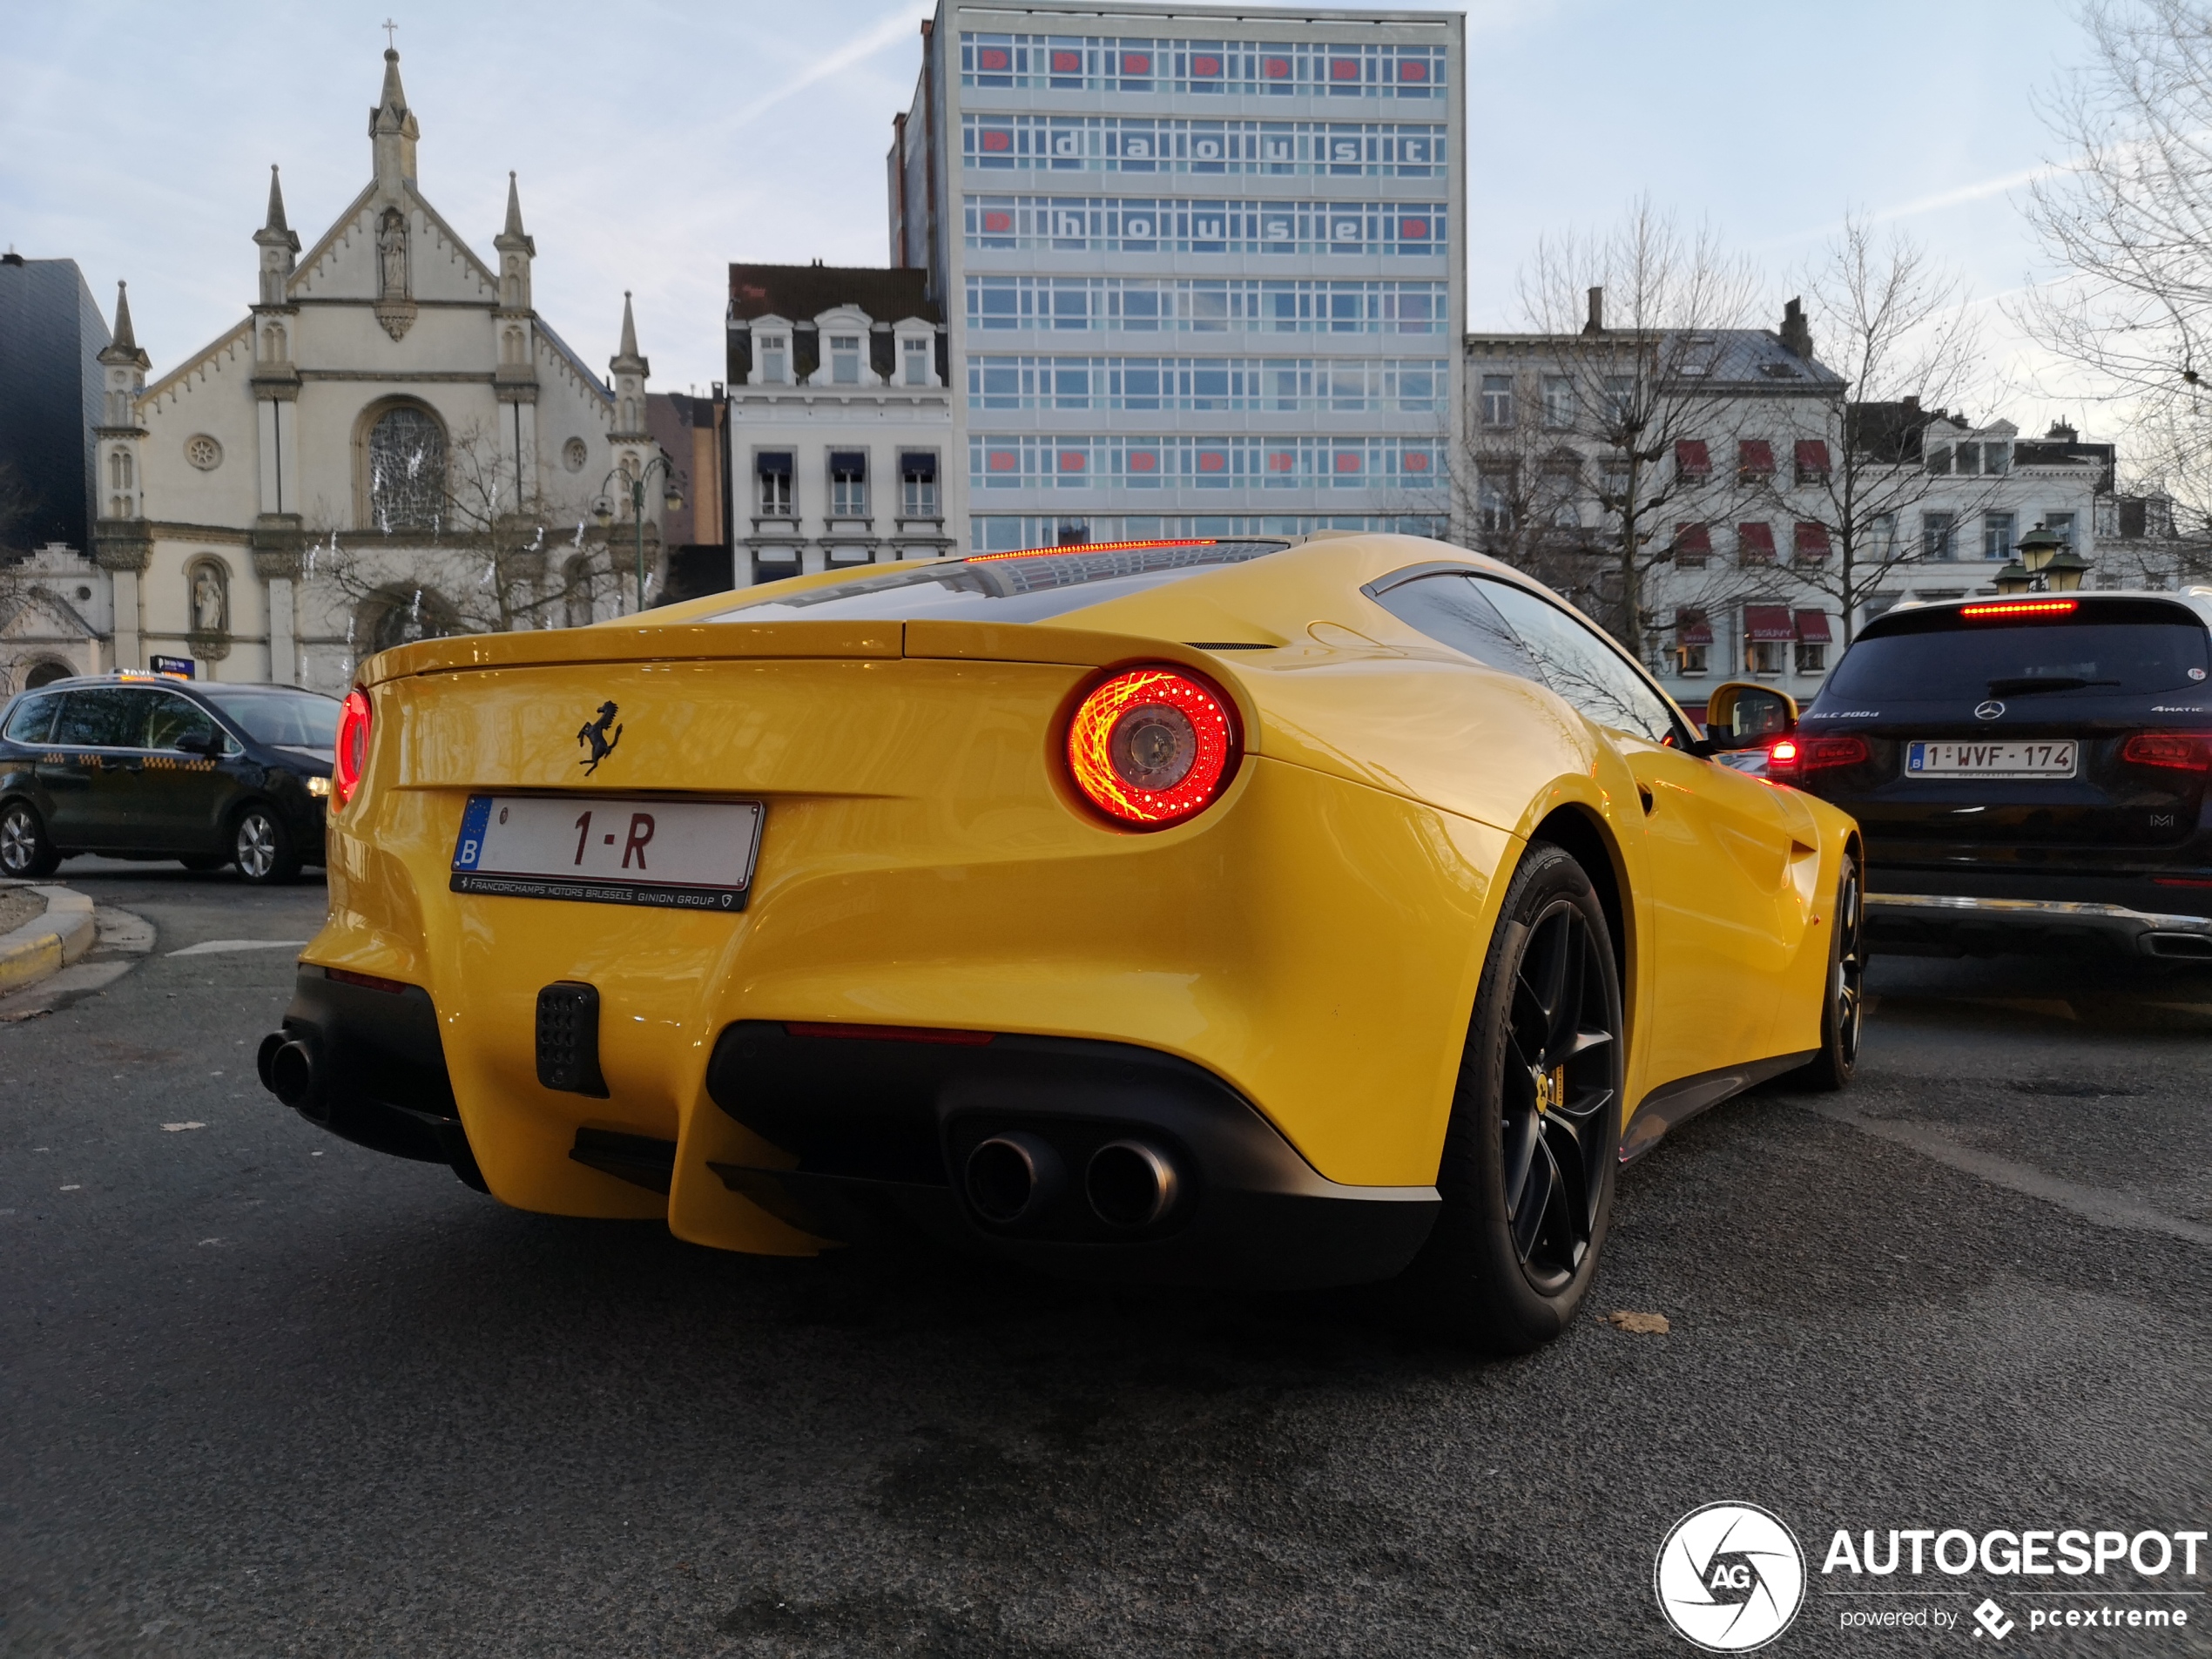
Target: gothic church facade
column 391, row 444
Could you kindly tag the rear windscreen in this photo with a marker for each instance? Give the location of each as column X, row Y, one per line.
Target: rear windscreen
column 1019, row 586
column 1969, row 661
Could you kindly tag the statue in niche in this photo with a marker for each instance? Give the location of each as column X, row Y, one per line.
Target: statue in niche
column 391, row 254
column 206, row 601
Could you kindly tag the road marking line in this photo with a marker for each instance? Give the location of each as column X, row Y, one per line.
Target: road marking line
column 174, row 1128
column 2099, row 1204
column 217, row 947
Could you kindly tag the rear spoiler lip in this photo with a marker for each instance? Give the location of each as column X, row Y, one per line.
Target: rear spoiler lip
column 997, row 642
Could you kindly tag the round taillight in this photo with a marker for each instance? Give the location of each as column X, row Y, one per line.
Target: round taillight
column 1152, row 746
column 351, row 754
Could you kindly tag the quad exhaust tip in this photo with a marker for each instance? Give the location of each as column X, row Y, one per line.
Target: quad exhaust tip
column 1014, row 1177
column 289, row 1071
column 1131, row 1184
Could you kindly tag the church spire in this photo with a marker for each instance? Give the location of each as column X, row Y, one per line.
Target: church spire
column 276, row 204
column 629, row 332
column 123, row 348
column 629, row 372
column 280, row 245
column 392, row 129
column 516, row 250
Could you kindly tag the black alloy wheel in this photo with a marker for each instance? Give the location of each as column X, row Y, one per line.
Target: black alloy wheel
column 262, row 848
column 1843, row 1006
column 26, row 853
column 1526, row 1176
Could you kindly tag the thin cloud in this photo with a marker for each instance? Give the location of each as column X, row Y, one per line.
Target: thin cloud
column 902, row 26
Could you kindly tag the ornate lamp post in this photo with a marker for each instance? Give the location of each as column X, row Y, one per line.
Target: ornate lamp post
column 2046, row 564
column 672, row 498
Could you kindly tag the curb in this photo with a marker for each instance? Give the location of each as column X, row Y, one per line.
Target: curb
column 42, row 948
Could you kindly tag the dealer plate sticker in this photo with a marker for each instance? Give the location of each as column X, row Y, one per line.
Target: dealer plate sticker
column 2052, row 758
column 686, row 855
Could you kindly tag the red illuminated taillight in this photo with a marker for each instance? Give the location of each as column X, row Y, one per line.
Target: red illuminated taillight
column 1801, row 755
column 352, row 752
column 1152, row 746
column 2019, row 609
column 2176, row 751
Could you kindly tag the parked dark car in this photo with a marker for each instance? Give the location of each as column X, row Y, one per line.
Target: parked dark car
column 2029, row 773
column 142, row 767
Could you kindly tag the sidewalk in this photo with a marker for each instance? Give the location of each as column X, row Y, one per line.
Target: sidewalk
column 44, row 945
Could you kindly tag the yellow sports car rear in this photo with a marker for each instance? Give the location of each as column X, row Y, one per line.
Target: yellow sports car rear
column 1232, row 912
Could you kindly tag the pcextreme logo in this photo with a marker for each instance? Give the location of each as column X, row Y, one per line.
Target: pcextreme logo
column 1730, row 1577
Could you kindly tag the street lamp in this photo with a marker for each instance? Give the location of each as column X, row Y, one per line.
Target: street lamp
column 671, row 497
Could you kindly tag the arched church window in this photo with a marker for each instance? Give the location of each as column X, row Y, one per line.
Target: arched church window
column 630, row 415
column 407, row 471
column 400, row 615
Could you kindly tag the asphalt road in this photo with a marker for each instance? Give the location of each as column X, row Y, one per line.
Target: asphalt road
column 263, row 1393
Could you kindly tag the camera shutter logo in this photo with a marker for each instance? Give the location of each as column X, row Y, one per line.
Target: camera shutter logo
column 1730, row 1577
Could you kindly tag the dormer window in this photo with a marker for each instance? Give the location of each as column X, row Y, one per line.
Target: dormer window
column 775, row 359
column 915, row 353
column 845, row 359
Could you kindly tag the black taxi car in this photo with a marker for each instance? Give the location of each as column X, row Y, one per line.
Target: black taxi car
column 144, row 766
column 2029, row 772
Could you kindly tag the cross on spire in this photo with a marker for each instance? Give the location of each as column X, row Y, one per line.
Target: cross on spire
column 390, row 30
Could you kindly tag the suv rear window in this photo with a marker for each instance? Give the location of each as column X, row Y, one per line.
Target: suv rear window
column 2118, row 650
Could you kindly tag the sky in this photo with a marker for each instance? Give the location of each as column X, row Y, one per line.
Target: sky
column 658, row 140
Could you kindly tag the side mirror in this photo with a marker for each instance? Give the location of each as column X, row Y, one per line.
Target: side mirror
column 1742, row 714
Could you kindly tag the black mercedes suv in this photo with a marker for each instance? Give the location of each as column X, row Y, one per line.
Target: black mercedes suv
column 144, row 766
column 2029, row 772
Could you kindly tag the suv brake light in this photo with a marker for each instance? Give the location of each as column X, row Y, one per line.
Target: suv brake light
column 1798, row 755
column 2175, row 751
column 350, row 755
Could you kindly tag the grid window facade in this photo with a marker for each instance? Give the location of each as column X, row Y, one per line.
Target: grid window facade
column 1146, row 145
column 1134, row 224
column 1108, row 64
column 1199, row 305
column 1087, row 462
column 1285, row 385
column 1000, row 533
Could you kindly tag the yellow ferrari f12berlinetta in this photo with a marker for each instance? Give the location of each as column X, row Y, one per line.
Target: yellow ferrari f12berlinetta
column 1295, row 912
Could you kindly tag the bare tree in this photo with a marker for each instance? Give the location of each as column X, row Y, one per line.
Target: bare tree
column 1628, row 320
column 1892, row 327
column 498, row 555
column 2131, row 217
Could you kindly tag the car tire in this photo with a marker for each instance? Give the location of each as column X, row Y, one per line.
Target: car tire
column 262, row 847
column 27, row 853
column 1527, row 1170
column 1843, row 1005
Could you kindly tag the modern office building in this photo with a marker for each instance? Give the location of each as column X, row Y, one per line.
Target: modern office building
column 51, row 333
column 1201, row 270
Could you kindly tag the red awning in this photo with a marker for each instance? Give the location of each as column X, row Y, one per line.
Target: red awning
column 1812, row 627
column 1812, row 457
column 1754, row 454
column 1694, row 539
column 1755, row 541
column 1691, row 459
column 1813, row 541
column 1691, row 628
column 1768, row 622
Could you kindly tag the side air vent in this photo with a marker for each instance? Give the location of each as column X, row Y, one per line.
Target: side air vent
column 568, row 1039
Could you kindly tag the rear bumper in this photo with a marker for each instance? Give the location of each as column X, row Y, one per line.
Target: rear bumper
column 1923, row 924
column 873, row 1130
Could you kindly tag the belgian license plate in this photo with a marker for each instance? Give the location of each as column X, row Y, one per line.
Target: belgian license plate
column 686, row 855
column 2054, row 757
